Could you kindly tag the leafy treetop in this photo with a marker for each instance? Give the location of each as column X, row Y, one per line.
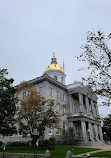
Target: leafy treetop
column 7, row 104
column 97, row 53
column 36, row 112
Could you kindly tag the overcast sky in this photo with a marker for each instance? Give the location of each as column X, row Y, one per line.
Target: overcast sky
column 30, row 30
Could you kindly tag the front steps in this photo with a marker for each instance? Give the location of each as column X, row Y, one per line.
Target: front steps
column 92, row 143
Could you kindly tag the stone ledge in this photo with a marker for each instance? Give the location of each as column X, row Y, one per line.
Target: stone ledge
column 21, row 155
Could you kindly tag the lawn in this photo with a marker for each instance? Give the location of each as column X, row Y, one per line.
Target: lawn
column 58, row 152
column 102, row 154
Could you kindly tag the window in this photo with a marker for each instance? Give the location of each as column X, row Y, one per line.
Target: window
column 84, row 101
column 76, row 129
column 40, row 90
column 89, row 101
column 94, row 108
column 63, row 97
column 18, row 134
column 55, row 77
column 57, row 94
column 62, row 80
column 64, row 125
column 57, row 108
column 64, row 110
column 51, row 92
column 58, row 132
column 24, row 95
column 50, row 132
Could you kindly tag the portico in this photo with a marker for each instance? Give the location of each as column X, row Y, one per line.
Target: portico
column 83, row 114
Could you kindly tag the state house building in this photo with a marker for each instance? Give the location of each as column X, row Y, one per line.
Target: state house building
column 82, row 114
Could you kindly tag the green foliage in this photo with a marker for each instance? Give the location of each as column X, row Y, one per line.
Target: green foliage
column 102, row 154
column 107, row 128
column 7, row 104
column 46, row 144
column 53, row 140
column 58, row 152
column 17, row 143
column 68, row 137
column 35, row 113
column 97, row 58
column 1, row 143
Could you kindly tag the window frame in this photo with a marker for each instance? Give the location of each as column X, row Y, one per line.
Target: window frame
column 55, row 77
column 64, row 97
column 24, row 94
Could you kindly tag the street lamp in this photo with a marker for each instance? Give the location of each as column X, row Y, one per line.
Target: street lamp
column 4, row 148
column 105, row 136
column 88, row 134
column 88, row 130
column 35, row 134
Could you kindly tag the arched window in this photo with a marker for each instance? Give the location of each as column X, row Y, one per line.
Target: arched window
column 55, row 77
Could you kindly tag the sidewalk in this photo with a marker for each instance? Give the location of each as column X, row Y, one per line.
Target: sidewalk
column 102, row 148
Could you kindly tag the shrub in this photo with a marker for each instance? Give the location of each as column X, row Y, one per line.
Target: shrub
column 53, row 140
column 46, row 144
column 68, row 137
column 58, row 142
column 17, row 143
column 1, row 143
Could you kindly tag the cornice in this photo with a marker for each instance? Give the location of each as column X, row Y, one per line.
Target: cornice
column 46, row 77
column 83, row 117
column 84, row 91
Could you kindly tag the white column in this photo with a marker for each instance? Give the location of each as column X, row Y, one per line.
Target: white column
column 91, row 131
column 96, row 131
column 83, row 128
column 97, row 112
column 92, row 107
column 71, row 124
column 100, row 132
column 87, row 104
column 70, row 104
column 81, row 102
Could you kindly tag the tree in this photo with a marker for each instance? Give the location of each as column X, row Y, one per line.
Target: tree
column 107, row 128
column 98, row 55
column 69, row 137
column 7, row 104
column 35, row 112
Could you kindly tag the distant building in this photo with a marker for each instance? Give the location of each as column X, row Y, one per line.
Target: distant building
column 82, row 114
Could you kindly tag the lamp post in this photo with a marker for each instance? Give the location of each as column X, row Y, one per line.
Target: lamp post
column 105, row 136
column 35, row 133
column 88, row 131
column 4, row 148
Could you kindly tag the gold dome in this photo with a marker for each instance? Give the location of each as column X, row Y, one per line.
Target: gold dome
column 54, row 65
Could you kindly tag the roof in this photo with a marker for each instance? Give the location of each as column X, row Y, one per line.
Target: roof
column 46, row 77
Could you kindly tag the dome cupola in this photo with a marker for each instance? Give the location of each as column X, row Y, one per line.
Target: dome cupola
column 55, row 71
column 53, row 60
column 54, row 65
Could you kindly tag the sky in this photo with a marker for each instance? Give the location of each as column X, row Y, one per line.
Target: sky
column 30, row 30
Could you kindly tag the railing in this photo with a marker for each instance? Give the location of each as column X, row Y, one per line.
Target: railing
column 94, row 116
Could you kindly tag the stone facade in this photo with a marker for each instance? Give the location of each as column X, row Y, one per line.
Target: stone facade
column 82, row 114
